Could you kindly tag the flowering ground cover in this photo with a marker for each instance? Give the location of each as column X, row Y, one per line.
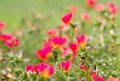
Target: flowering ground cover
column 83, row 45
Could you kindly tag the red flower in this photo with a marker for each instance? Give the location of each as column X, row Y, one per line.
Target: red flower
column 58, row 42
column 73, row 47
column 91, row 3
column 66, row 66
column 85, row 17
column 52, row 32
column 96, row 77
column 112, row 8
column 44, row 53
column 67, row 18
column 2, row 26
column 2, row 59
column 82, row 40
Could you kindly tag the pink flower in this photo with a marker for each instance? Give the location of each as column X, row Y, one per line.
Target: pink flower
column 52, row 32
column 48, row 43
column 5, row 37
column 44, row 53
column 2, row 26
column 12, row 43
column 64, row 51
column 73, row 9
column 85, row 17
column 113, row 79
column 99, row 7
column 82, row 40
column 67, row 18
column 66, row 66
column 58, row 42
column 43, row 69
column 30, row 68
column 82, row 66
column 46, row 70
column 96, row 77
column 112, row 8
column 91, row 3
column 64, row 27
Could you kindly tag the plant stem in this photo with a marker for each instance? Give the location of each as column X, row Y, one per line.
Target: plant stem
column 116, row 51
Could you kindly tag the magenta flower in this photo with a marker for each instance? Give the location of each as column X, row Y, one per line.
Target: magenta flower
column 112, row 8
column 44, row 54
column 67, row 18
column 82, row 40
column 96, row 77
column 2, row 26
column 91, row 3
column 66, row 65
column 58, row 42
column 52, row 32
column 43, row 69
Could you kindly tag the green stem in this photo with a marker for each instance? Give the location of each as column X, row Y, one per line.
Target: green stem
column 72, row 36
column 59, row 61
column 116, row 51
column 14, row 71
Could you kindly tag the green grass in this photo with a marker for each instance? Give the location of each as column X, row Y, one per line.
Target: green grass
column 11, row 11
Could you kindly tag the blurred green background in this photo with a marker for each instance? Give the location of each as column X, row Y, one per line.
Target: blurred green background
column 11, row 11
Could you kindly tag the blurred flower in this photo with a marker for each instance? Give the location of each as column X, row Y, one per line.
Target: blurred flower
column 44, row 53
column 99, row 7
column 101, row 19
column 5, row 37
column 12, row 43
column 2, row 26
column 85, row 17
column 48, row 43
column 113, row 79
column 52, row 32
column 73, row 9
column 82, row 66
column 82, row 40
column 79, row 79
column 67, row 18
column 96, row 77
column 30, row 68
column 64, row 27
column 19, row 32
column 112, row 8
column 91, row 3
column 66, row 66
column 73, row 47
column 2, row 59
column 46, row 70
column 58, row 42
column 64, row 51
